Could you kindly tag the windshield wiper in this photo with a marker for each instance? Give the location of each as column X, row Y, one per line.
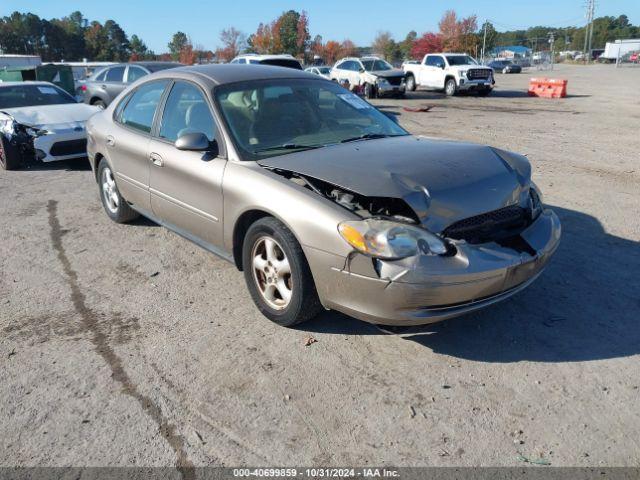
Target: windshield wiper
column 368, row 136
column 287, row 146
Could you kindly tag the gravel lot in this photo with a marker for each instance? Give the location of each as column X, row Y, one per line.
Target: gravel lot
column 127, row 345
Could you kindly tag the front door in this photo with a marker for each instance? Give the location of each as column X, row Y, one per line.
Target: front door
column 128, row 141
column 186, row 186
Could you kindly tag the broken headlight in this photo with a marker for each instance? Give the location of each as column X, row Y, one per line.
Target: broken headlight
column 535, row 199
column 390, row 240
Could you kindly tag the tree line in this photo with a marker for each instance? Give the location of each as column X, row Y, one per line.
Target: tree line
column 74, row 37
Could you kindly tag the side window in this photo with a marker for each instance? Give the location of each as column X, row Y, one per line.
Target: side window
column 235, row 60
column 430, row 61
column 440, row 62
column 117, row 113
column 340, row 66
column 100, row 77
column 135, row 73
column 186, row 111
column 357, row 66
column 139, row 111
column 115, row 74
column 242, row 60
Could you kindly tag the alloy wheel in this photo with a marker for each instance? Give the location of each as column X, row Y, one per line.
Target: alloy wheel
column 110, row 191
column 272, row 272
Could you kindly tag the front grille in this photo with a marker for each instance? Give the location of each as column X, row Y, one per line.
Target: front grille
column 491, row 226
column 69, row 147
column 478, row 74
column 395, row 81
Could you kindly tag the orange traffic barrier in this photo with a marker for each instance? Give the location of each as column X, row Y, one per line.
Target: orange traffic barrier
column 547, row 88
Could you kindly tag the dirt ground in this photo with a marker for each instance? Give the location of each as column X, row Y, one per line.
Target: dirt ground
column 127, row 345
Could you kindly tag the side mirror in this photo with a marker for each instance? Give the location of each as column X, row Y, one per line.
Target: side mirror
column 361, row 70
column 196, row 142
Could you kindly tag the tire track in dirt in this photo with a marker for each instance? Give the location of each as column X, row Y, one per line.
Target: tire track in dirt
column 100, row 341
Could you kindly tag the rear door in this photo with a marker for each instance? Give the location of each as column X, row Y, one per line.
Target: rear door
column 114, row 82
column 128, row 142
column 186, row 186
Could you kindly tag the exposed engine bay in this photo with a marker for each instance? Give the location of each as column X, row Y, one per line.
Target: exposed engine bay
column 18, row 139
column 363, row 206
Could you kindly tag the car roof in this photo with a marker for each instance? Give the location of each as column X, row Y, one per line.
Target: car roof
column 27, row 82
column 221, row 74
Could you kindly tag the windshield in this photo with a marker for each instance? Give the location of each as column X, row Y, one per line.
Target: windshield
column 324, row 70
column 32, row 95
column 375, row 65
column 460, row 60
column 274, row 117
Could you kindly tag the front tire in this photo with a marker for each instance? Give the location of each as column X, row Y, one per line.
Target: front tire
column 9, row 155
column 450, row 87
column 369, row 91
column 277, row 274
column 99, row 103
column 114, row 205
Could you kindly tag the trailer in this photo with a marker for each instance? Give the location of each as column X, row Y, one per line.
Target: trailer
column 10, row 60
column 615, row 50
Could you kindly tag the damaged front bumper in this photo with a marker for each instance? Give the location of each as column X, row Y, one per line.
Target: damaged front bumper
column 427, row 288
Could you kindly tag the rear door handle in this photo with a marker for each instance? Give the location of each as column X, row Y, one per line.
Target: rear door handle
column 155, row 159
column 111, row 142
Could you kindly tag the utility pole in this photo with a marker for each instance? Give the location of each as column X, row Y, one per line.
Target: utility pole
column 484, row 39
column 552, row 39
column 588, row 33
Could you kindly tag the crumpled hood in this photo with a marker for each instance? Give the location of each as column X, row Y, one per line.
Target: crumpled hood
column 442, row 181
column 61, row 116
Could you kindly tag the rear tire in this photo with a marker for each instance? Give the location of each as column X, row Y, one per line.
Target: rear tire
column 411, row 83
column 450, row 87
column 99, row 103
column 277, row 274
column 114, row 205
column 9, row 155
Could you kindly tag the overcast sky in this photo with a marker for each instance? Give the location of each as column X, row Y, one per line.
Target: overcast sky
column 155, row 21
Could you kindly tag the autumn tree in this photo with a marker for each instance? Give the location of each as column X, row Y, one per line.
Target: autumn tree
column 458, row 35
column 428, row 43
column 233, row 43
column 187, row 55
column 385, row 45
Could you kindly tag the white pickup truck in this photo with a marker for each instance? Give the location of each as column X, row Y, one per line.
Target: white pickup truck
column 451, row 72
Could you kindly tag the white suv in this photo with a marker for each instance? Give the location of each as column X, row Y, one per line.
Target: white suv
column 451, row 72
column 373, row 74
column 275, row 60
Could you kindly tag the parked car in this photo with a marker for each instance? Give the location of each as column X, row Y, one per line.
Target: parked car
column 375, row 76
column 104, row 85
column 275, row 60
column 40, row 121
column 504, row 66
column 451, row 72
column 321, row 199
column 322, row 70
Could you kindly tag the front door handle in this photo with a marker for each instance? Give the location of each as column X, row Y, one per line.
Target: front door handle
column 111, row 142
column 155, row 159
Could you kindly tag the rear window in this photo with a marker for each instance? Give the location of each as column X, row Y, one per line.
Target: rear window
column 156, row 67
column 33, row 95
column 282, row 62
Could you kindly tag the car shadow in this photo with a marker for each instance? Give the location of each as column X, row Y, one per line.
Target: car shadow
column 583, row 307
column 80, row 164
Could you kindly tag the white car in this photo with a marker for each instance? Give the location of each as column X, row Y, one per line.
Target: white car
column 284, row 60
column 451, row 72
column 372, row 74
column 40, row 121
column 323, row 71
